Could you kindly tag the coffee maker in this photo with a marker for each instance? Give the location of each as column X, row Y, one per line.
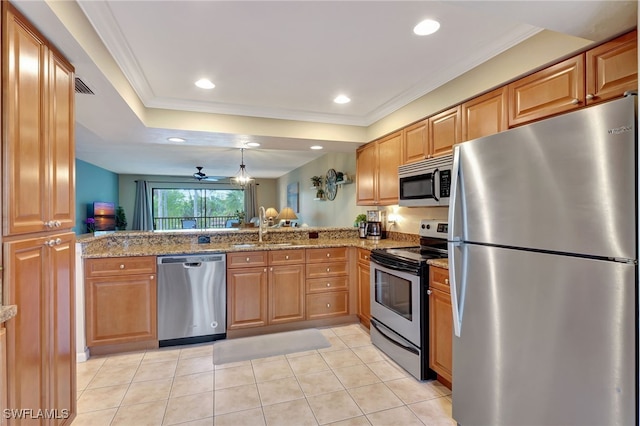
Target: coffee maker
column 376, row 224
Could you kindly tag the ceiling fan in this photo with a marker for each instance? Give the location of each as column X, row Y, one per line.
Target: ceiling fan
column 200, row 176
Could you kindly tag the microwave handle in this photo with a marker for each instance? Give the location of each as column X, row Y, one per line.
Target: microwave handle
column 433, row 184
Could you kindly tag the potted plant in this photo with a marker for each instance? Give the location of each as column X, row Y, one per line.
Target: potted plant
column 316, row 181
column 360, row 219
column 121, row 219
column 319, row 194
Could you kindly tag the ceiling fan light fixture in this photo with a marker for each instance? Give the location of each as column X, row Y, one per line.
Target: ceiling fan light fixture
column 205, row 83
column 426, row 27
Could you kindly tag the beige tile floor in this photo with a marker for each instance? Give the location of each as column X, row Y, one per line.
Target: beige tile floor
column 350, row 383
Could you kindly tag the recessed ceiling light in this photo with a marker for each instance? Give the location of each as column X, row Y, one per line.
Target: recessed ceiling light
column 253, row 144
column 176, row 140
column 342, row 99
column 204, row 83
column 426, row 27
column 316, row 147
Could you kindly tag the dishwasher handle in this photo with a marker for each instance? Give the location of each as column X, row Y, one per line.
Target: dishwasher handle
column 192, row 265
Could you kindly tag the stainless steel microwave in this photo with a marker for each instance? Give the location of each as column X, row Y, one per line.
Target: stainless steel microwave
column 426, row 183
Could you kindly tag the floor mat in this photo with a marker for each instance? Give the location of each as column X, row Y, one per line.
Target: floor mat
column 246, row 348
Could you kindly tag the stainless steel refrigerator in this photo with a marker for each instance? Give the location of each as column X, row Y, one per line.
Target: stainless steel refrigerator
column 543, row 235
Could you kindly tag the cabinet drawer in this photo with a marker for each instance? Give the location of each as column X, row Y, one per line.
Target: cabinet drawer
column 326, row 254
column 363, row 255
column 286, row 257
column 330, row 304
column 247, row 258
column 321, row 270
column 119, row 266
column 319, row 285
column 439, row 279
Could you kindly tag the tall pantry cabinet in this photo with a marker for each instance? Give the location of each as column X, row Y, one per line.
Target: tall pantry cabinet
column 38, row 212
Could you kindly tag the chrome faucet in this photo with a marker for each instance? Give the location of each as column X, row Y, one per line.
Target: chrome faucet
column 261, row 223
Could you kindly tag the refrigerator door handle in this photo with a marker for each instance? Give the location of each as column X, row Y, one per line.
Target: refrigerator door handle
column 454, row 233
column 457, row 300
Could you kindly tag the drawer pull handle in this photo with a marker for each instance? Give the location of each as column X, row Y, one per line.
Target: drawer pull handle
column 328, row 284
column 328, row 254
column 248, row 260
column 151, row 277
column 287, row 257
column 122, row 266
column 328, row 305
column 328, row 269
column 446, row 281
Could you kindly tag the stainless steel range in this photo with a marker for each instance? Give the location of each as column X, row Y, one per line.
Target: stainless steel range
column 399, row 301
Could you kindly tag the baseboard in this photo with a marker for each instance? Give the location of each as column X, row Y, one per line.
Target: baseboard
column 82, row 356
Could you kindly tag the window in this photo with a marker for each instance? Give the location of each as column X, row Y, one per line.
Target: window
column 196, row 208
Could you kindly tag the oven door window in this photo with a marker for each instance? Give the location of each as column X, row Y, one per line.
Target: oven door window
column 394, row 293
column 417, row 187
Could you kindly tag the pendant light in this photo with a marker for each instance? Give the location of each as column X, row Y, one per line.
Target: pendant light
column 242, row 177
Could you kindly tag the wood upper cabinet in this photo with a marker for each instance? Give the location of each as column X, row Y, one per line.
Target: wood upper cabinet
column 445, row 130
column 38, row 148
column 440, row 324
column 612, row 68
column 364, row 287
column 40, row 345
column 121, row 303
column 485, row 115
column 265, row 287
column 377, row 171
column 553, row 90
column 415, row 142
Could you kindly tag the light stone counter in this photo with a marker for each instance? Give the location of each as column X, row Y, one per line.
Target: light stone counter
column 148, row 243
column 440, row 263
column 7, row 312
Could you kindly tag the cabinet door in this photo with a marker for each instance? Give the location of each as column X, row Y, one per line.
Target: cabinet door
column 389, row 158
column 553, row 90
column 440, row 334
column 415, row 142
column 26, row 280
column 485, row 115
column 286, row 294
column 24, row 145
column 121, row 309
column 366, row 173
column 61, row 328
column 364, row 293
column 246, row 297
column 61, row 94
column 445, row 130
column 612, row 68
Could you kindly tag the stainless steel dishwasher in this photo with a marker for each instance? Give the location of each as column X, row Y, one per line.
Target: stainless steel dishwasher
column 192, row 298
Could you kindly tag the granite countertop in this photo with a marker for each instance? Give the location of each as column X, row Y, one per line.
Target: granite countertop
column 440, row 263
column 7, row 312
column 147, row 243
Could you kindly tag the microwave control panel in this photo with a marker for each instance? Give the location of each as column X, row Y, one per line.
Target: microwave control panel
column 445, row 183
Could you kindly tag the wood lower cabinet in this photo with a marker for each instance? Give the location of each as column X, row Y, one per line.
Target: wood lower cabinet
column 3, row 373
column 364, row 287
column 265, row 287
column 612, row 68
column 40, row 346
column 121, row 300
column 440, row 324
column 327, row 282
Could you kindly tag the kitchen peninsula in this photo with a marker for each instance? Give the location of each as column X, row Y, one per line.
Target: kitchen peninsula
column 295, row 278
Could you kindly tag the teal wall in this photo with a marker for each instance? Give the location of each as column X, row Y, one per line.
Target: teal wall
column 93, row 183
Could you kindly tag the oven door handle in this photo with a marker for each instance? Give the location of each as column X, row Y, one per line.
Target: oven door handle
column 383, row 334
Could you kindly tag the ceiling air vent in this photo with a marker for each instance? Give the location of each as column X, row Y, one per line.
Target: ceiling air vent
column 81, row 87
